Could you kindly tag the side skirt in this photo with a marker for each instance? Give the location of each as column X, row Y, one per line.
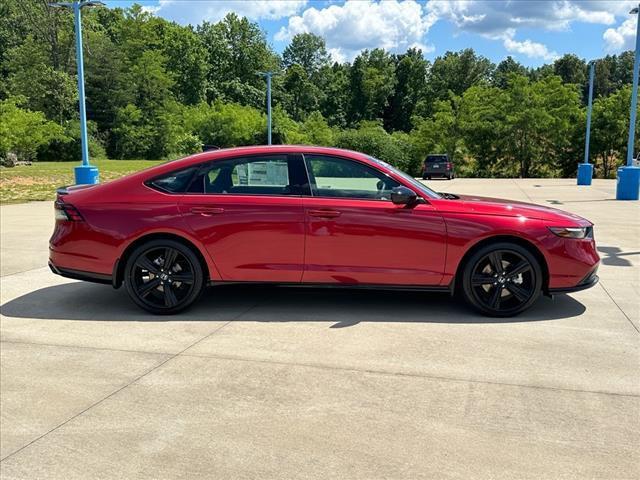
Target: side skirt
column 351, row 286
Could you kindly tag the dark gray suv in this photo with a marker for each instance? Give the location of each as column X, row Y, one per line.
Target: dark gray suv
column 437, row 165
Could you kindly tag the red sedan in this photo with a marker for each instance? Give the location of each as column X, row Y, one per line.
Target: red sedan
column 311, row 215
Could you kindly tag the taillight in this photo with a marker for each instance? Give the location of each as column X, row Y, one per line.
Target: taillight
column 448, row 166
column 67, row 212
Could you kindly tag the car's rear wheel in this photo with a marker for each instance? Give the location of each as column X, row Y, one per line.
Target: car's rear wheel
column 163, row 276
column 502, row 279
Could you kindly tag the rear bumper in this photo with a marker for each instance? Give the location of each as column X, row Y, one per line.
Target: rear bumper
column 81, row 275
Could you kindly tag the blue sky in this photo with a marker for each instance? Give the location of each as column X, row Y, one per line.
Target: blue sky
column 532, row 31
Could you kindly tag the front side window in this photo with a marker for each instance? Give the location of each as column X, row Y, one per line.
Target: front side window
column 260, row 175
column 340, row 178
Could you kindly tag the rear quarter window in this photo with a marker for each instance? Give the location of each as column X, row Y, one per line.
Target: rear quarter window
column 174, row 182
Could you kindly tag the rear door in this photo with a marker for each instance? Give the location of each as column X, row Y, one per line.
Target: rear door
column 248, row 213
column 356, row 235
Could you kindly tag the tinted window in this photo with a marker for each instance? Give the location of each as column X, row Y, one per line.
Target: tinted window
column 174, row 182
column 337, row 177
column 436, row 158
column 260, row 175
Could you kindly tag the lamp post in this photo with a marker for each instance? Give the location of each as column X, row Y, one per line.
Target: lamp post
column 85, row 173
column 268, row 75
column 585, row 169
column 628, row 187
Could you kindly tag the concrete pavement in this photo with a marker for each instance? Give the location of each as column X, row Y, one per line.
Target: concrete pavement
column 298, row 383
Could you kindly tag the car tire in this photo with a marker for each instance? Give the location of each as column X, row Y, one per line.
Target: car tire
column 502, row 279
column 424, row 177
column 159, row 288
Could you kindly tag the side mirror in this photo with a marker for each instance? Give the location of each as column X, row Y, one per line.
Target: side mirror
column 403, row 196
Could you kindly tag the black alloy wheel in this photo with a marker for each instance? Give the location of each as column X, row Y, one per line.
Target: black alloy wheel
column 163, row 276
column 502, row 280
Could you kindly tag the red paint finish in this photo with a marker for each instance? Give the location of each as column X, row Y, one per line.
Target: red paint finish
column 302, row 238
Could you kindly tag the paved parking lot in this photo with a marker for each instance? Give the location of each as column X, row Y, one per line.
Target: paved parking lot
column 305, row 383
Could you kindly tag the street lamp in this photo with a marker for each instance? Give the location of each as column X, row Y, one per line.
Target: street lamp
column 628, row 187
column 268, row 76
column 585, row 169
column 85, row 173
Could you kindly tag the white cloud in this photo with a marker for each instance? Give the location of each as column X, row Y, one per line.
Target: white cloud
column 495, row 17
column 195, row 12
column 363, row 24
column 621, row 38
column 529, row 48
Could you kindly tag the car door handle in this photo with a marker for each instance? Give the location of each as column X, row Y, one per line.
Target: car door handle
column 324, row 213
column 207, row 210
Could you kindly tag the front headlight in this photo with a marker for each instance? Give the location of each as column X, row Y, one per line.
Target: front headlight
column 573, row 232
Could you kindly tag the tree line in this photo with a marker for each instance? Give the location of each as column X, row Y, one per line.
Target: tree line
column 156, row 89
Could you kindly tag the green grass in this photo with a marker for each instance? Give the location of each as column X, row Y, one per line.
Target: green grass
column 40, row 180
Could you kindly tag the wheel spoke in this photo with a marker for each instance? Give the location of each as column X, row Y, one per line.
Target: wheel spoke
column 482, row 279
column 495, row 259
column 170, row 299
column 170, row 256
column 146, row 264
column 186, row 277
column 494, row 302
column 520, row 293
column 146, row 288
column 519, row 268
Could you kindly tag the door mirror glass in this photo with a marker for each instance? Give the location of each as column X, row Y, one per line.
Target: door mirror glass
column 403, row 196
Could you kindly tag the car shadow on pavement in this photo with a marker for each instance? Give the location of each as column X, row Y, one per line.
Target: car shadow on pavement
column 342, row 307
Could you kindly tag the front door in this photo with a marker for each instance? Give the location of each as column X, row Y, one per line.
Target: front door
column 250, row 216
column 356, row 235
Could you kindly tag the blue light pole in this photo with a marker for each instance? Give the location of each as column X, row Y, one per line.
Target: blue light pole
column 628, row 187
column 585, row 169
column 85, row 173
column 268, row 76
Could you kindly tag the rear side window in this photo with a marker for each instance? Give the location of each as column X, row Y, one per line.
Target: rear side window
column 258, row 175
column 174, row 182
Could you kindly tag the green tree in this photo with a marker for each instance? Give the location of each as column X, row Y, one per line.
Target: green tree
column 372, row 84
column 301, row 95
column 23, row 132
column 458, row 71
column 411, row 82
column 186, row 63
column 504, row 70
column 307, row 50
column 609, row 130
column 237, row 49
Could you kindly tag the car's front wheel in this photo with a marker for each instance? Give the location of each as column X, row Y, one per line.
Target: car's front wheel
column 502, row 279
column 163, row 276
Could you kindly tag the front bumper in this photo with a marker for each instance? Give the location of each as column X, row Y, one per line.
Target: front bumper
column 587, row 282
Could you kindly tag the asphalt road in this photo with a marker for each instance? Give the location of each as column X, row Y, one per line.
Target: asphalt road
column 305, row 383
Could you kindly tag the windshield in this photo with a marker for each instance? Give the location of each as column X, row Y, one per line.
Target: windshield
column 415, row 183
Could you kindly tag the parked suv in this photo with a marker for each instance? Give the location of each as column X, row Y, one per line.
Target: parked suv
column 437, row 166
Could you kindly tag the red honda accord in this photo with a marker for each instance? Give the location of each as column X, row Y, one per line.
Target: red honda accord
column 311, row 215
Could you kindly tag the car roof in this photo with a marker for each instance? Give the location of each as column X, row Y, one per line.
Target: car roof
column 213, row 155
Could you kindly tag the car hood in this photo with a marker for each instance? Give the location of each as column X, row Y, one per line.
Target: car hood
column 512, row 208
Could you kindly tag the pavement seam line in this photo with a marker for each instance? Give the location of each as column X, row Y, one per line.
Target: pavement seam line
column 619, row 308
column 515, row 181
column 23, row 271
column 152, row 369
column 83, row 347
column 405, row 374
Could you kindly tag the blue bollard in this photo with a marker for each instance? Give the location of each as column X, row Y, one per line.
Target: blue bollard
column 628, row 187
column 585, row 173
column 86, row 175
